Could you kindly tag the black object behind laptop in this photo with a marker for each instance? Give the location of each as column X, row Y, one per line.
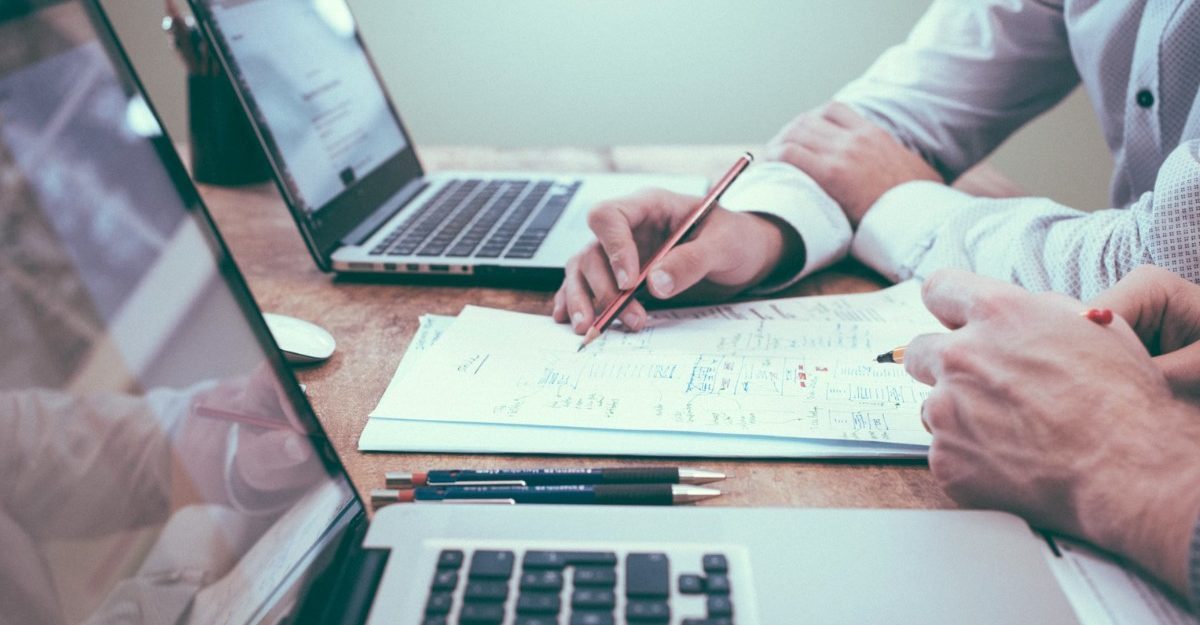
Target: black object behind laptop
column 163, row 466
column 349, row 172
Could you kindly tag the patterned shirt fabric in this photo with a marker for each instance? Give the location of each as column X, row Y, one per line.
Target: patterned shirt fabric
column 972, row 73
column 1194, row 569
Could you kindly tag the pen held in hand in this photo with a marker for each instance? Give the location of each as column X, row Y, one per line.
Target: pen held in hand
column 690, row 223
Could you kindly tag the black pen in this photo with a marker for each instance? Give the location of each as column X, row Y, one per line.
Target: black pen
column 602, row 494
column 545, row 477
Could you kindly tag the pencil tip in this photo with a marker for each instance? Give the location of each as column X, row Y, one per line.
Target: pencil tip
column 591, row 335
column 884, row 358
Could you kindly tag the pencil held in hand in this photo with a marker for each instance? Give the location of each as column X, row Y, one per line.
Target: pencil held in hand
column 895, row 356
column 689, row 224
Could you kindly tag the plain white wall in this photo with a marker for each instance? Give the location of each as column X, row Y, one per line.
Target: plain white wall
column 521, row 73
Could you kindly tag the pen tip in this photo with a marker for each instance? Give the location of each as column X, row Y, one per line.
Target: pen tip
column 699, row 476
column 692, row 494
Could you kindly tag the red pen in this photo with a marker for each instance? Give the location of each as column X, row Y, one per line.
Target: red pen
column 689, row 224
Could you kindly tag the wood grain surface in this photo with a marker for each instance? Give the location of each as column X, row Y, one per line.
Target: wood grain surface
column 373, row 324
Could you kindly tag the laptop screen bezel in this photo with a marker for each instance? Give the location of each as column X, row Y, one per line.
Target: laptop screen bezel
column 354, row 510
column 325, row 229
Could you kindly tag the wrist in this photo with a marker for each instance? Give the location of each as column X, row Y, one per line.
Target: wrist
column 1145, row 504
column 781, row 248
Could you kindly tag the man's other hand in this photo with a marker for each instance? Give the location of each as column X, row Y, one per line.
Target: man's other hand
column 730, row 252
column 1039, row 411
column 853, row 160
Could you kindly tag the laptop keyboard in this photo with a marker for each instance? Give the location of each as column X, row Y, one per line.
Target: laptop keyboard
column 481, row 219
column 498, row 587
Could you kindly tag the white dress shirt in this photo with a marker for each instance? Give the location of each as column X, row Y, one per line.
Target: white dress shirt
column 969, row 75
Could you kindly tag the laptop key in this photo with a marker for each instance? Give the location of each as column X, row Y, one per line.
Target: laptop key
column 538, row 603
column 445, row 580
column 492, row 564
column 592, row 618
column 595, row 576
column 647, row 575
column 643, row 611
column 482, row 613
column 586, row 598
column 450, row 559
column 538, row 619
column 706, row 621
column 717, row 584
column 691, row 584
column 719, row 606
column 715, row 563
column 559, row 559
column 486, row 591
column 549, row 579
column 434, row 620
column 439, row 603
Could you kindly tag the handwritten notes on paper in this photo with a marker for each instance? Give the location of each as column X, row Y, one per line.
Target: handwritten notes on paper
column 799, row 368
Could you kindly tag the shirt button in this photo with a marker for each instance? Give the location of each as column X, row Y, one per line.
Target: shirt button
column 1145, row 99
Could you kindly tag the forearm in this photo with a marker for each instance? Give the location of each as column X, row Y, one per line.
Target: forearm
column 918, row 228
column 969, row 74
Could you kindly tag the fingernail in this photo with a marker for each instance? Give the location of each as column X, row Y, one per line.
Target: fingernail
column 662, row 282
column 622, row 279
column 636, row 321
column 577, row 320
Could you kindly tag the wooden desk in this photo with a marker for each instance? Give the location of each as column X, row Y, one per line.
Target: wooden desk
column 373, row 324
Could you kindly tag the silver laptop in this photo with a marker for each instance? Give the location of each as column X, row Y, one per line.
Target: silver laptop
column 350, row 174
column 163, row 466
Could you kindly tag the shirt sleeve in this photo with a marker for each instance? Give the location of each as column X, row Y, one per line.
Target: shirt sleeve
column 785, row 192
column 919, row 227
column 969, row 75
column 1194, row 568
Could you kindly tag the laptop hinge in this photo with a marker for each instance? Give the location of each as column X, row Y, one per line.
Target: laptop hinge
column 342, row 594
column 393, row 205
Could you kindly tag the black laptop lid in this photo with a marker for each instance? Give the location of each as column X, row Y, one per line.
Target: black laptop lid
column 336, row 144
column 158, row 458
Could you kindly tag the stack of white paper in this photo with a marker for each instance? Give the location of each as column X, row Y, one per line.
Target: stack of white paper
column 779, row 378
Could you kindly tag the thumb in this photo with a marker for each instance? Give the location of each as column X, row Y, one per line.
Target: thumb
column 681, row 268
column 1182, row 369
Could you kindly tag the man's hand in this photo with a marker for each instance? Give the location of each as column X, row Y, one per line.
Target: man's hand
column 853, row 160
column 731, row 252
column 1039, row 411
column 1164, row 310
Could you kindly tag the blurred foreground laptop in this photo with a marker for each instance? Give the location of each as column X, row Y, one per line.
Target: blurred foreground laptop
column 161, row 465
column 350, row 174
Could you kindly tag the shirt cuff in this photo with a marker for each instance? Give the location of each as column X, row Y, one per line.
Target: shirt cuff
column 785, row 192
column 901, row 226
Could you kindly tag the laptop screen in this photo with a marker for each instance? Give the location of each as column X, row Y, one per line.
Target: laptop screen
column 159, row 460
column 311, row 89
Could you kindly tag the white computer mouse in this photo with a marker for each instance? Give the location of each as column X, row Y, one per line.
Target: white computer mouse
column 302, row 342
